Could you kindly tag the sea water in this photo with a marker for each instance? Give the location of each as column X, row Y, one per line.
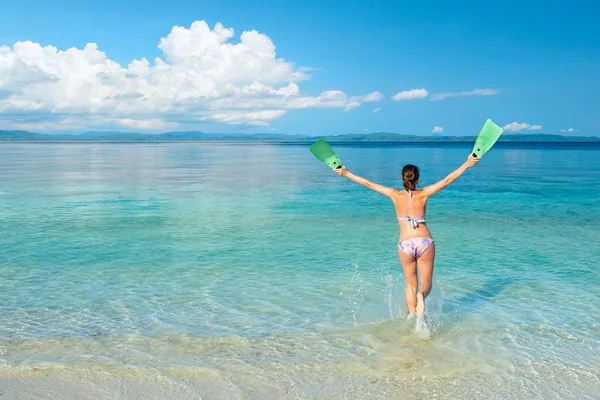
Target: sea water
column 237, row 271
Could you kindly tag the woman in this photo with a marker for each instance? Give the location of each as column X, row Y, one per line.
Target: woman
column 415, row 246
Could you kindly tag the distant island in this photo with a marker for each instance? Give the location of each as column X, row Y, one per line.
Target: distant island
column 193, row 136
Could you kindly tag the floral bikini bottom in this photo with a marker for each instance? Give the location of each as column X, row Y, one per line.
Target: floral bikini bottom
column 415, row 247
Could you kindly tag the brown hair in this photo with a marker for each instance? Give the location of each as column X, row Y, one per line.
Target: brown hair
column 410, row 176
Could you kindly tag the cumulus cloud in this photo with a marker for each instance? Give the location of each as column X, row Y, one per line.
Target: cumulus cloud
column 410, row 94
column 437, row 129
column 257, row 118
column 516, row 127
column 570, row 130
column 201, row 76
column 476, row 92
column 356, row 101
column 76, row 123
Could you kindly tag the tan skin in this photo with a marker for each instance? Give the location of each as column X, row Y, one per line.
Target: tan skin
column 414, row 206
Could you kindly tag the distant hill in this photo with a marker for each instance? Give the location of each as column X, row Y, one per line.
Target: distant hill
column 381, row 137
column 395, row 137
column 21, row 135
column 93, row 135
column 189, row 135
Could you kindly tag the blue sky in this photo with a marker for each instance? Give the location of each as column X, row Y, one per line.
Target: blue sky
column 538, row 64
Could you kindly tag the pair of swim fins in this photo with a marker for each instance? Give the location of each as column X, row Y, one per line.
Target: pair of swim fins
column 487, row 137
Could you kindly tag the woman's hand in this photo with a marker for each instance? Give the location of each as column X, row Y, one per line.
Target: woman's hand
column 471, row 161
column 341, row 171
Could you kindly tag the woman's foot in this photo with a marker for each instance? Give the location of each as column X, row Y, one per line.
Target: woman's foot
column 420, row 304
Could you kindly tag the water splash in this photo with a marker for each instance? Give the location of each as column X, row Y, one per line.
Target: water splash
column 353, row 293
column 392, row 298
column 422, row 330
column 360, row 302
column 424, row 326
column 433, row 308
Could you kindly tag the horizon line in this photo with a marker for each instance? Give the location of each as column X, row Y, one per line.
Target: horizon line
column 150, row 134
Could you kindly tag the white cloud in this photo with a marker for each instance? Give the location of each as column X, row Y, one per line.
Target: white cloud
column 410, row 94
column 476, row 92
column 256, row 118
column 570, row 130
column 75, row 123
column 356, row 101
column 201, row 76
column 39, row 127
column 516, row 127
column 437, row 129
column 148, row 124
column 374, row 96
column 376, row 110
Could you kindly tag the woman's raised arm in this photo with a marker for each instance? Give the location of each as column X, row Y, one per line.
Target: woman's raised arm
column 454, row 175
column 384, row 190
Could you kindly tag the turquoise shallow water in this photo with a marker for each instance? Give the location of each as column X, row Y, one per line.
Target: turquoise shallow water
column 236, row 271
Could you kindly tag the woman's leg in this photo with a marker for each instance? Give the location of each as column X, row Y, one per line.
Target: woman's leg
column 425, row 264
column 409, row 266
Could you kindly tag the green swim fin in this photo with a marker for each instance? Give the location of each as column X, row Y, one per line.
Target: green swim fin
column 323, row 151
column 487, row 137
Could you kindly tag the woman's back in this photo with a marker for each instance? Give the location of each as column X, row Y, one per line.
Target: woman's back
column 410, row 210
